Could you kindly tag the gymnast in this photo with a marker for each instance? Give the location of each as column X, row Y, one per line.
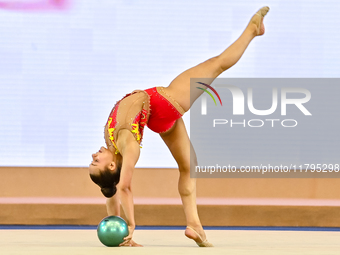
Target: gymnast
column 161, row 109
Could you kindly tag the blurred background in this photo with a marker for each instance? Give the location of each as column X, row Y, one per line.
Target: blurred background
column 63, row 69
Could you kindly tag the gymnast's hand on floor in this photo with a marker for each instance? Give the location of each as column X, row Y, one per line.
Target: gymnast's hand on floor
column 130, row 243
column 128, row 240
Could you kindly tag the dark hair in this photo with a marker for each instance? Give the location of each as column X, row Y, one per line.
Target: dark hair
column 107, row 180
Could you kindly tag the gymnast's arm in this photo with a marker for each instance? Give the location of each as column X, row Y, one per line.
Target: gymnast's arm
column 113, row 205
column 130, row 151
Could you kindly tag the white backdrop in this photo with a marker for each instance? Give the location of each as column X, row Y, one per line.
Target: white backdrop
column 62, row 71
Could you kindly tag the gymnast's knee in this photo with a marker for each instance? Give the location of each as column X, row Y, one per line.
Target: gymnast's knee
column 216, row 64
column 185, row 167
column 221, row 63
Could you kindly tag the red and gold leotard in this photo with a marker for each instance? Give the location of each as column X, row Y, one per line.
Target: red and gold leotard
column 152, row 107
column 164, row 110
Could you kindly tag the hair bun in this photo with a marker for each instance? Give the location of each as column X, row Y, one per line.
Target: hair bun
column 109, row 192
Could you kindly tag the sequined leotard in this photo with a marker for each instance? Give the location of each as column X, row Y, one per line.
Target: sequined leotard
column 152, row 107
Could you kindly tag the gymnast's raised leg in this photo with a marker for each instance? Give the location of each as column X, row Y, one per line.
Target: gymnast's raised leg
column 179, row 88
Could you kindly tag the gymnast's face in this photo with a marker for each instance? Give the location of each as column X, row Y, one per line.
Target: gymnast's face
column 101, row 160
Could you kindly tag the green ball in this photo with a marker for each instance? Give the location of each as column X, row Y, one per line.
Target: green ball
column 111, row 231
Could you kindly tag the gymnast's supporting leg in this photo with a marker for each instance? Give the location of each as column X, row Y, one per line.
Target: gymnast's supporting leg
column 179, row 144
column 177, row 138
column 179, row 88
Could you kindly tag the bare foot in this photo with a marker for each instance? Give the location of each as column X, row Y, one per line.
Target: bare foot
column 256, row 21
column 199, row 239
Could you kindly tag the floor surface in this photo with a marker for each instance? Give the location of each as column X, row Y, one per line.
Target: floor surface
column 163, row 242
